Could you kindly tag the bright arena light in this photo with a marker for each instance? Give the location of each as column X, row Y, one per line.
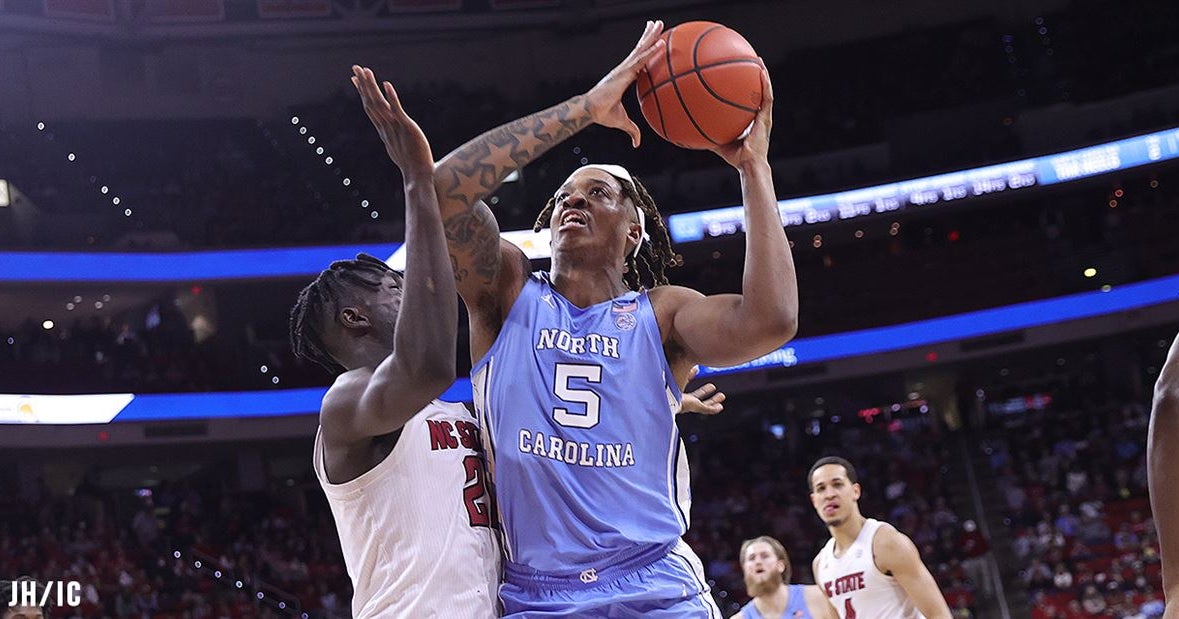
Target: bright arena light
column 1090, row 272
column 47, row 325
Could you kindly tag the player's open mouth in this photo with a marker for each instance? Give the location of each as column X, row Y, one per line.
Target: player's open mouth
column 830, row 508
column 572, row 219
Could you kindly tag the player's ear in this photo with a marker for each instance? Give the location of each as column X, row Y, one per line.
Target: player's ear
column 352, row 318
column 856, row 490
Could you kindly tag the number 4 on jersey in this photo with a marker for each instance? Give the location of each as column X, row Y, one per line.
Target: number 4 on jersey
column 849, row 611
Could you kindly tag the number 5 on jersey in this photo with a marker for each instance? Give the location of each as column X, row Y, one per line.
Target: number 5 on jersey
column 566, row 372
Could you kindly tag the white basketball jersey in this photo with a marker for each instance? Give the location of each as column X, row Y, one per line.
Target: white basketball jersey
column 415, row 530
column 856, row 587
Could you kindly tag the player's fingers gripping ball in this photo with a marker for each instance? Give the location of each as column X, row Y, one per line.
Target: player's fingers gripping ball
column 705, row 88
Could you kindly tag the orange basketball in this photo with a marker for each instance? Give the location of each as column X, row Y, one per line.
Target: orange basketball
column 705, row 89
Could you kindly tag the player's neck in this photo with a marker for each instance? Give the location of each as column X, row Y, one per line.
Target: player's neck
column 774, row 603
column 364, row 352
column 846, row 532
column 585, row 285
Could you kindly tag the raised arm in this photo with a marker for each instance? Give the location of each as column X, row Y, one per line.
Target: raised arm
column 728, row 329
column 485, row 266
column 896, row 554
column 1162, row 447
column 365, row 402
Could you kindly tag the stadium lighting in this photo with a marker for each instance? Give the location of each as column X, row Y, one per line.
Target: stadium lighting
column 1090, row 272
column 4, row 199
column 47, row 325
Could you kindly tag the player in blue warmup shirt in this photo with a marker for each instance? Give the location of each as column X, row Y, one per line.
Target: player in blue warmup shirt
column 766, row 568
column 578, row 371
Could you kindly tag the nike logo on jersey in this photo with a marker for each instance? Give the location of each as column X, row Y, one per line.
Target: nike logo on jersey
column 560, row 339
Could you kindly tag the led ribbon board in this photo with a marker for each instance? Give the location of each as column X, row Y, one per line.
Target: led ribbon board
column 943, row 188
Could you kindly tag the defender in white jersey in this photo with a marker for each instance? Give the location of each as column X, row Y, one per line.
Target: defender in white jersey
column 401, row 470
column 867, row 569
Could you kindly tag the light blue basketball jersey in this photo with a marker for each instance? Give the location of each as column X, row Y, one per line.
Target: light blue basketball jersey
column 577, row 407
column 796, row 608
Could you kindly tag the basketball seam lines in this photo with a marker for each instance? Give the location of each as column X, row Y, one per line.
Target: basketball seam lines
column 700, row 76
column 697, row 71
column 680, row 96
column 658, row 107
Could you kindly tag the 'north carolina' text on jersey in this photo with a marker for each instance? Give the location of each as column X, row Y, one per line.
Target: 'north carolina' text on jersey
column 578, row 413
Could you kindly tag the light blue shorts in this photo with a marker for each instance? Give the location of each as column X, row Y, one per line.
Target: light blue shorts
column 672, row 586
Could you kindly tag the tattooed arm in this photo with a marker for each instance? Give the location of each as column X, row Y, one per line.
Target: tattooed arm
column 490, row 272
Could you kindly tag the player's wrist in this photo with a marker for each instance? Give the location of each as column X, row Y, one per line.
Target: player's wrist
column 753, row 166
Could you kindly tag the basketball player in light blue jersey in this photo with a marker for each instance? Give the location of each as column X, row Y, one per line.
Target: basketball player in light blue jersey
column 578, row 371
column 766, row 568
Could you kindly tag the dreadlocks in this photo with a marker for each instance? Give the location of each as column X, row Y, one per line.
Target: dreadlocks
column 655, row 255
column 337, row 284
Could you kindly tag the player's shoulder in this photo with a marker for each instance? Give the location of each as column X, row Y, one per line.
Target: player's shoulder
column 666, row 300
column 672, row 295
column 345, row 392
column 887, row 534
column 891, row 547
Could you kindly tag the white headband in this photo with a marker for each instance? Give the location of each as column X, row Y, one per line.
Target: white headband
column 621, row 173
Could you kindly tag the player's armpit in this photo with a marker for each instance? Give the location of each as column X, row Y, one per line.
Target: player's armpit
column 895, row 554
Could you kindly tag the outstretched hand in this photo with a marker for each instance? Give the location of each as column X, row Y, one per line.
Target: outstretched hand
column 404, row 141
column 707, row 400
column 755, row 145
column 605, row 98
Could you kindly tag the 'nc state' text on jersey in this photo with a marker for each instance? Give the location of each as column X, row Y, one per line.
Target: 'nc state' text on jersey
column 548, row 339
column 608, row 455
column 844, row 584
